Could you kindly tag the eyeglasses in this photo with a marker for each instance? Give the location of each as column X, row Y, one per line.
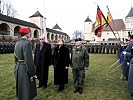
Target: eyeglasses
column 41, row 39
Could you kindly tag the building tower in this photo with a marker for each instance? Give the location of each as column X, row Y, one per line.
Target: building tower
column 88, row 29
column 40, row 21
column 129, row 21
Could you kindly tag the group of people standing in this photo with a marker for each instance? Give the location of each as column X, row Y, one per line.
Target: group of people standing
column 28, row 69
column 6, row 47
column 127, row 64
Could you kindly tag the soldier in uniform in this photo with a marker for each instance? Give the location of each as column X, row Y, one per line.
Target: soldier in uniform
column 107, row 49
column 111, row 48
column 99, row 48
column 103, row 48
column 95, row 48
column 91, row 49
column 24, row 69
column 80, row 62
column 115, row 49
column 0, row 47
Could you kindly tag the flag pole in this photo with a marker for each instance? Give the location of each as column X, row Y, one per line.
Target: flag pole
column 113, row 21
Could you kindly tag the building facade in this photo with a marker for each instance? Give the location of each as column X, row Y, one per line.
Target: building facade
column 10, row 26
column 119, row 27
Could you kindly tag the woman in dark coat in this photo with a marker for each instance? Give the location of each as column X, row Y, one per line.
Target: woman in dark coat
column 61, row 61
column 42, row 60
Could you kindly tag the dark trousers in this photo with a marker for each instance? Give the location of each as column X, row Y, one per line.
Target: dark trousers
column 78, row 77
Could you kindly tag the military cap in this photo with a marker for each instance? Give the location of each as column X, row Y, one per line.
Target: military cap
column 78, row 39
column 24, row 30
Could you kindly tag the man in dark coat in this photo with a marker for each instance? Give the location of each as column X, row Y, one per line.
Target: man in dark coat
column 24, row 70
column 61, row 61
column 42, row 60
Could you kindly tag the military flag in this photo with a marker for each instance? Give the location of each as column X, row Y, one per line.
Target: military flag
column 100, row 22
column 109, row 16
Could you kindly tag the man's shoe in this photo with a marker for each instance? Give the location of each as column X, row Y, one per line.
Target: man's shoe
column 131, row 94
column 45, row 87
column 80, row 91
column 40, row 85
column 60, row 89
column 75, row 90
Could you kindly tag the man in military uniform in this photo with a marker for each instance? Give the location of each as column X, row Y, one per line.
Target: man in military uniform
column 0, row 47
column 103, row 48
column 80, row 62
column 115, row 49
column 111, row 48
column 99, row 49
column 107, row 49
column 24, row 70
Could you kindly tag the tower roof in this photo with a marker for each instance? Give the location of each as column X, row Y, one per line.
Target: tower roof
column 56, row 27
column 88, row 19
column 37, row 14
column 130, row 14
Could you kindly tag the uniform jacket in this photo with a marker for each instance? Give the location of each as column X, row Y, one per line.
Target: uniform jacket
column 79, row 58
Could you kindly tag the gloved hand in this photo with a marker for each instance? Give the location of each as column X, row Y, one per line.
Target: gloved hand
column 32, row 78
column 124, row 52
column 128, row 63
column 66, row 67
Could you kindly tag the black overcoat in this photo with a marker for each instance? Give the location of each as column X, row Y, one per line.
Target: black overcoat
column 42, row 60
column 60, row 60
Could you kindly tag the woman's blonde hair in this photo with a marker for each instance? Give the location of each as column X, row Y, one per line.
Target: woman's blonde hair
column 61, row 39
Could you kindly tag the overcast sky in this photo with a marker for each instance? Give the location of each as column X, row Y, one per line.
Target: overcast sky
column 70, row 14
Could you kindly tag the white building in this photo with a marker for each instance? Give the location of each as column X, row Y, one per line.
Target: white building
column 120, row 28
column 10, row 26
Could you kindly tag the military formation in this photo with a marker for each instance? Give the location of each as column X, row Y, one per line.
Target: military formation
column 114, row 48
column 7, row 47
column 104, row 48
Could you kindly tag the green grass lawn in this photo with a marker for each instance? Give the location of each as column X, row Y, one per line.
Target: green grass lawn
column 100, row 82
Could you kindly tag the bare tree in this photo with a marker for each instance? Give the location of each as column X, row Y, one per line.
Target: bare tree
column 77, row 34
column 8, row 9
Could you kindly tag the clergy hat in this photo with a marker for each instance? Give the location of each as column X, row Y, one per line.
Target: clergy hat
column 24, row 30
column 78, row 39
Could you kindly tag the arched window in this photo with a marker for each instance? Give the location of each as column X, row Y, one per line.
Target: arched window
column 36, row 34
column 52, row 37
column 48, row 36
column 56, row 37
column 16, row 31
column 4, row 29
